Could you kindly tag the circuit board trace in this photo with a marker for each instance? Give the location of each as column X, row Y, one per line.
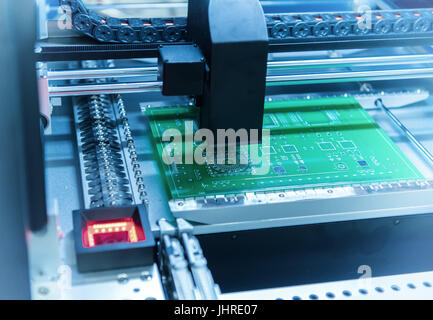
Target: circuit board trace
column 314, row 143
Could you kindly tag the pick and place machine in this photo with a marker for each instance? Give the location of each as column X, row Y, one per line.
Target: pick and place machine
column 338, row 93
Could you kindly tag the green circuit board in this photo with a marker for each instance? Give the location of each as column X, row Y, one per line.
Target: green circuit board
column 319, row 142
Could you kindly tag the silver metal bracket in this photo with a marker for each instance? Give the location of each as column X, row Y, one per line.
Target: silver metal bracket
column 182, row 263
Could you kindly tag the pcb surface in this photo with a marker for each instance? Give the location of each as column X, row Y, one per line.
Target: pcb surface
column 320, row 142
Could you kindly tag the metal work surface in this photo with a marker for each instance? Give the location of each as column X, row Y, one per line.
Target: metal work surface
column 416, row 286
column 317, row 253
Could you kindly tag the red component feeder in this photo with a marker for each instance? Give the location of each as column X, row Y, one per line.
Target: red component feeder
column 111, row 238
column 124, row 230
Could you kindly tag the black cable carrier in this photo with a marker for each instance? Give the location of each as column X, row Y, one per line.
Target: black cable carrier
column 129, row 30
column 281, row 27
column 349, row 24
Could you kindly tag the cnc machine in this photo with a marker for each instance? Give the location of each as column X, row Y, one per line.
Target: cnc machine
column 337, row 93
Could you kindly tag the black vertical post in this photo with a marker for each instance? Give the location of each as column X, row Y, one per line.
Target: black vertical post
column 233, row 37
column 25, row 37
column 22, row 194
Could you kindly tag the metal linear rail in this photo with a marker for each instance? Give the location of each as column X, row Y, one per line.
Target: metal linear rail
column 359, row 61
column 425, row 152
column 80, row 48
column 83, row 48
column 354, row 75
column 109, row 88
column 152, row 86
column 82, row 74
